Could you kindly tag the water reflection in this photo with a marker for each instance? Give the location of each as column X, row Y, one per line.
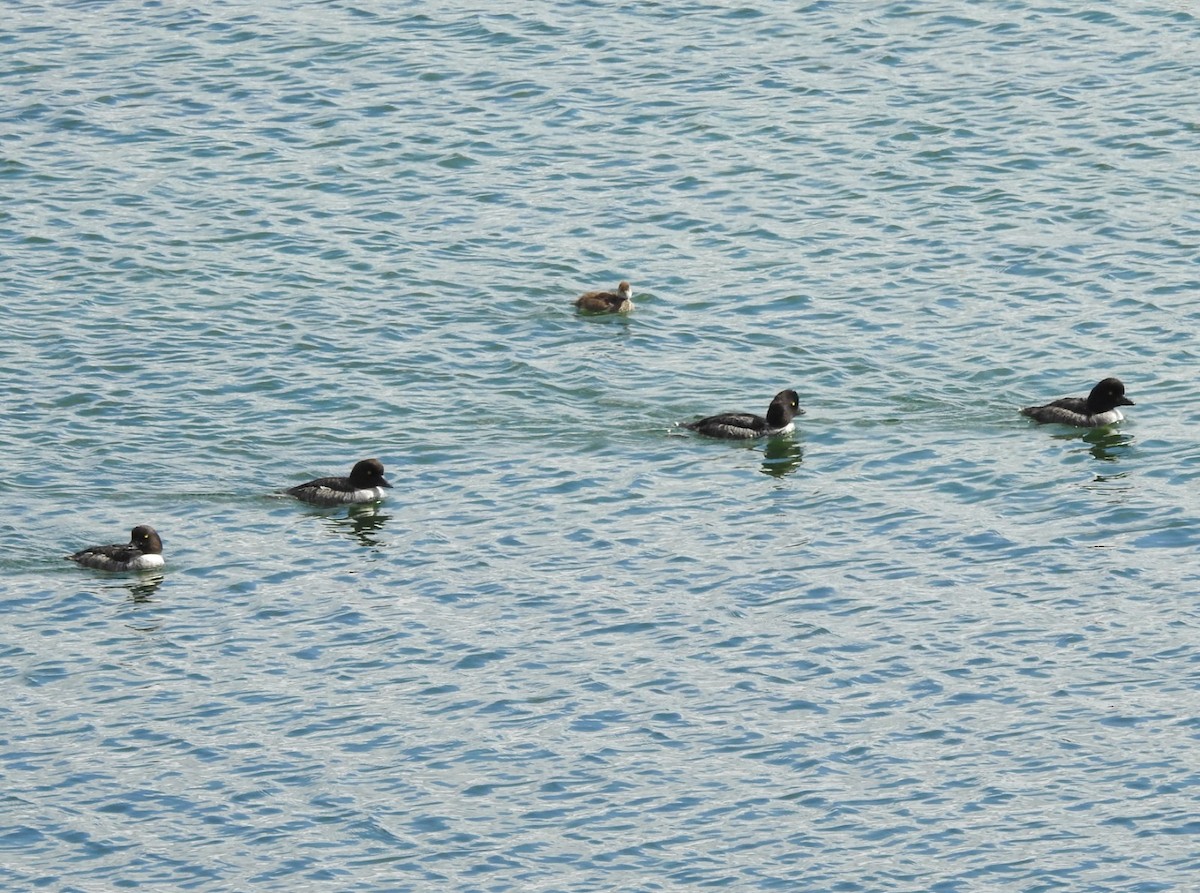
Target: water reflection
column 363, row 522
column 782, row 456
column 142, row 588
column 1105, row 444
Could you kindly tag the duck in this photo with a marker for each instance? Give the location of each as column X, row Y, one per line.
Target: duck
column 365, row 483
column 142, row 552
column 1097, row 409
column 620, row 301
column 785, row 406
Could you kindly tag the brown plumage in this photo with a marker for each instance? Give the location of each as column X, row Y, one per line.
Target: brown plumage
column 620, row 301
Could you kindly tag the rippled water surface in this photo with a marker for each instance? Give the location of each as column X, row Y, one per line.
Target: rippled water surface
column 920, row 645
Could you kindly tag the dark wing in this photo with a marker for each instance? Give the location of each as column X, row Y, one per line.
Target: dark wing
column 1075, row 404
column 341, row 484
column 743, row 420
column 740, row 421
column 117, row 552
column 1050, row 411
column 599, row 300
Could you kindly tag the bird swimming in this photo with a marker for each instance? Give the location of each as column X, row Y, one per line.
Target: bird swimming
column 620, row 301
column 784, row 407
column 366, row 483
column 142, row 552
column 1098, row 408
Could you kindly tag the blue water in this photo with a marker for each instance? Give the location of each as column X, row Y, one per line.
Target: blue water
column 921, row 645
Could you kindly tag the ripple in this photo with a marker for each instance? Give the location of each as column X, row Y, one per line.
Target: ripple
column 572, row 645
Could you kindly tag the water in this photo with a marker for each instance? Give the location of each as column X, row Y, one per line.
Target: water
column 921, row 645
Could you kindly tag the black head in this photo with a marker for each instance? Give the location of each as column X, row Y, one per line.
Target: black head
column 145, row 539
column 368, row 473
column 784, row 407
column 1109, row 394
